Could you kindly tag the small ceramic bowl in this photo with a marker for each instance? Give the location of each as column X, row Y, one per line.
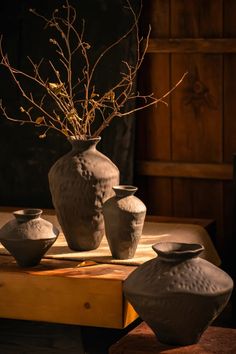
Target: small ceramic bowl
column 28, row 237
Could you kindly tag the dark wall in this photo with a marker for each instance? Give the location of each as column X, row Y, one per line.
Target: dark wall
column 24, row 158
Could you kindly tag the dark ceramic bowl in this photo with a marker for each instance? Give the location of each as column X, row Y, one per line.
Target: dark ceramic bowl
column 27, row 237
column 28, row 253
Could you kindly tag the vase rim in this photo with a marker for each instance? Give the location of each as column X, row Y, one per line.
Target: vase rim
column 28, row 211
column 125, row 187
column 27, row 214
column 177, row 250
column 77, row 138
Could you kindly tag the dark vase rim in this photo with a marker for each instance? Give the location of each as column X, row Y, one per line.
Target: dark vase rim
column 74, row 138
column 28, row 212
column 125, row 187
column 177, row 250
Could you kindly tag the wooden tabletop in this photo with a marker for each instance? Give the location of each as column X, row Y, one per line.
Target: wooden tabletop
column 65, row 292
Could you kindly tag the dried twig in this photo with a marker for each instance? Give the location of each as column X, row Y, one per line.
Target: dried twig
column 74, row 113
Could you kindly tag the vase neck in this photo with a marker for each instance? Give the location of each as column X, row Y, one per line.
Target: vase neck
column 83, row 145
column 122, row 191
column 27, row 214
column 174, row 251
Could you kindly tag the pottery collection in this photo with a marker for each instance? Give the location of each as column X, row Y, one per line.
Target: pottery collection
column 124, row 216
column 178, row 294
column 80, row 182
column 27, row 237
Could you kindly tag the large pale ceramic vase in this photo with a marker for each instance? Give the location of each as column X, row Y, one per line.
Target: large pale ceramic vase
column 124, row 216
column 178, row 294
column 27, row 237
column 80, row 182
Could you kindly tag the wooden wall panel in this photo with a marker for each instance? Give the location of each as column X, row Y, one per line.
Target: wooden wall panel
column 199, row 198
column 229, row 128
column 159, row 196
column 157, row 14
column 153, row 127
column 198, row 37
column 158, row 127
column 182, row 197
column 210, row 18
column 184, row 15
column 229, row 83
column 197, row 109
column 229, row 131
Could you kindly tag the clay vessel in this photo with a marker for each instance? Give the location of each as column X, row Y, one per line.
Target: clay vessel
column 80, row 182
column 28, row 237
column 124, row 216
column 178, row 294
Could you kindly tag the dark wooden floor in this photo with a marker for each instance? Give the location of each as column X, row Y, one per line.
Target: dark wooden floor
column 27, row 337
column 142, row 340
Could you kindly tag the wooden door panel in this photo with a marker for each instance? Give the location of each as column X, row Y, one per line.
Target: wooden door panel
column 229, row 83
column 182, row 197
column 159, row 196
column 153, row 126
column 187, row 161
column 156, row 13
column 197, row 109
column 210, row 18
column 191, row 18
column 158, row 127
column 194, row 197
column 229, row 123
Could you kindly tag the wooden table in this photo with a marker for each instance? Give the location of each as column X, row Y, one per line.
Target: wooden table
column 72, row 292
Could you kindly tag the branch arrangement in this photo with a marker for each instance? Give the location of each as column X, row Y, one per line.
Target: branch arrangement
column 76, row 103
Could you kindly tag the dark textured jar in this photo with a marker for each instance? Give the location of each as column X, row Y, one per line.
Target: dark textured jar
column 178, row 294
column 124, row 216
column 28, row 236
column 80, row 182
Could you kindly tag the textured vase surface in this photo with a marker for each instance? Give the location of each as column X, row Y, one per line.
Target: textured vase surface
column 124, row 216
column 27, row 237
column 80, row 182
column 178, row 294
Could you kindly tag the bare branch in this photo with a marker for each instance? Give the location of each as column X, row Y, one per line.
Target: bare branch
column 74, row 101
column 150, row 101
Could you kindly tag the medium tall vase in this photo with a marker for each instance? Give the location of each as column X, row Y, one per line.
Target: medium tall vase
column 124, row 216
column 178, row 294
column 80, row 182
